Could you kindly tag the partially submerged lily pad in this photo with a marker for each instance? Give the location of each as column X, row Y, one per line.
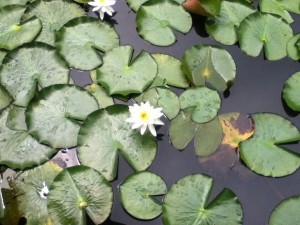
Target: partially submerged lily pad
column 261, row 30
column 54, row 115
column 292, row 47
column 29, row 67
column 155, row 20
column 263, row 153
column 5, row 98
column 83, row 40
column 206, row 65
column 126, row 76
column 77, row 192
column 187, row 203
column 138, row 192
column 100, row 95
column 13, row 33
column 291, row 92
column 105, row 134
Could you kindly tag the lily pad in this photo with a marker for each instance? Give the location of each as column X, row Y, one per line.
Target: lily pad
column 100, row 95
column 13, row 33
column 187, row 203
column 5, row 98
column 53, row 16
column 105, row 133
column 83, row 40
column 18, row 149
column 210, row 66
column 16, row 119
column 13, row 2
column 211, row 7
column 29, row 67
column 2, row 55
column 126, row 76
column 137, row 195
column 286, row 212
column 155, row 20
column 205, row 102
column 291, row 92
column 164, row 98
column 263, row 153
column 53, row 117
column 261, row 30
column 292, row 48
column 280, row 7
column 79, row 191
column 169, row 72
column 223, row 27
column 135, row 4
column 31, row 191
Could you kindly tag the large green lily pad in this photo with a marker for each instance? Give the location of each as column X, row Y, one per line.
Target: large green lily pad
column 223, row 27
column 286, row 212
column 263, row 153
column 155, row 20
column 125, row 76
column 261, row 30
column 29, row 67
column 210, row 66
column 53, row 15
column 5, row 98
column 292, row 47
column 291, row 92
column 205, row 102
column 82, row 41
column 77, row 192
column 53, row 117
column 13, row 33
column 105, row 133
column 31, row 192
column 137, row 194
column 18, row 149
column 187, row 203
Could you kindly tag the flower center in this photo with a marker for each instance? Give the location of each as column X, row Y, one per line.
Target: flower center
column 101, row 1
column 144, row 116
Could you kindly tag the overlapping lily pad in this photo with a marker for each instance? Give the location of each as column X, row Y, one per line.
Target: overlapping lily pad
column 13, row 33
column 16, row 119
column 292, row 47
column 78, row 192
column 264, row 153
column 83, row 40
column 187, row 203
column 155, row 20
column 53, row 15
column 105, row 133
column 126, row 76
column 210, row 66
column 261, row 30
column 211, row 7
column 2, row 55
column 223, row 27
column 54, row 116
column 137, row 195
column 29, row 67
column 5, row 98
column 100, row 95
column 291, row 92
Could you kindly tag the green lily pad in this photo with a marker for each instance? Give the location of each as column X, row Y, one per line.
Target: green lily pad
column 205, row 102
column 135, row 4
column 79, row 191
column 261, row 30
column 53, row 16
column 13, row 2
column 105, row 133
column 291, row 92
column 5, row 98
column 164, row 98
column 280, row 7
column 286, row 212
column 137, row 195
column 2, row 55
column 100, row 95
column 125, row 76
column 16, row 119
column 155, row 20
column 187, row 203
column 223, row 27
column 211, row 7
column 29, row 67
column 169, row 72
column 18, row 149
column 31, row 197
column 53, row 117
column 263, row 153
column 210, row 66
column 12, row 32
column 292, row 48
column 82, row 41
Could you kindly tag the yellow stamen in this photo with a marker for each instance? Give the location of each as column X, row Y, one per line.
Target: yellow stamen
column 206, row 72
column 144, row 116
column 16, row 27
column 101, row 1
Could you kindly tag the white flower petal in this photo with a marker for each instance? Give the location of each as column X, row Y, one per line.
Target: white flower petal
column 152, row 129
column 101, row 14
column 158, row 122
column 143, row 129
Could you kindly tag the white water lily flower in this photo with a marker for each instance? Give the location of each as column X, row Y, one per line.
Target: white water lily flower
column 143, row 116
column 44, row 191
column 104, row 6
